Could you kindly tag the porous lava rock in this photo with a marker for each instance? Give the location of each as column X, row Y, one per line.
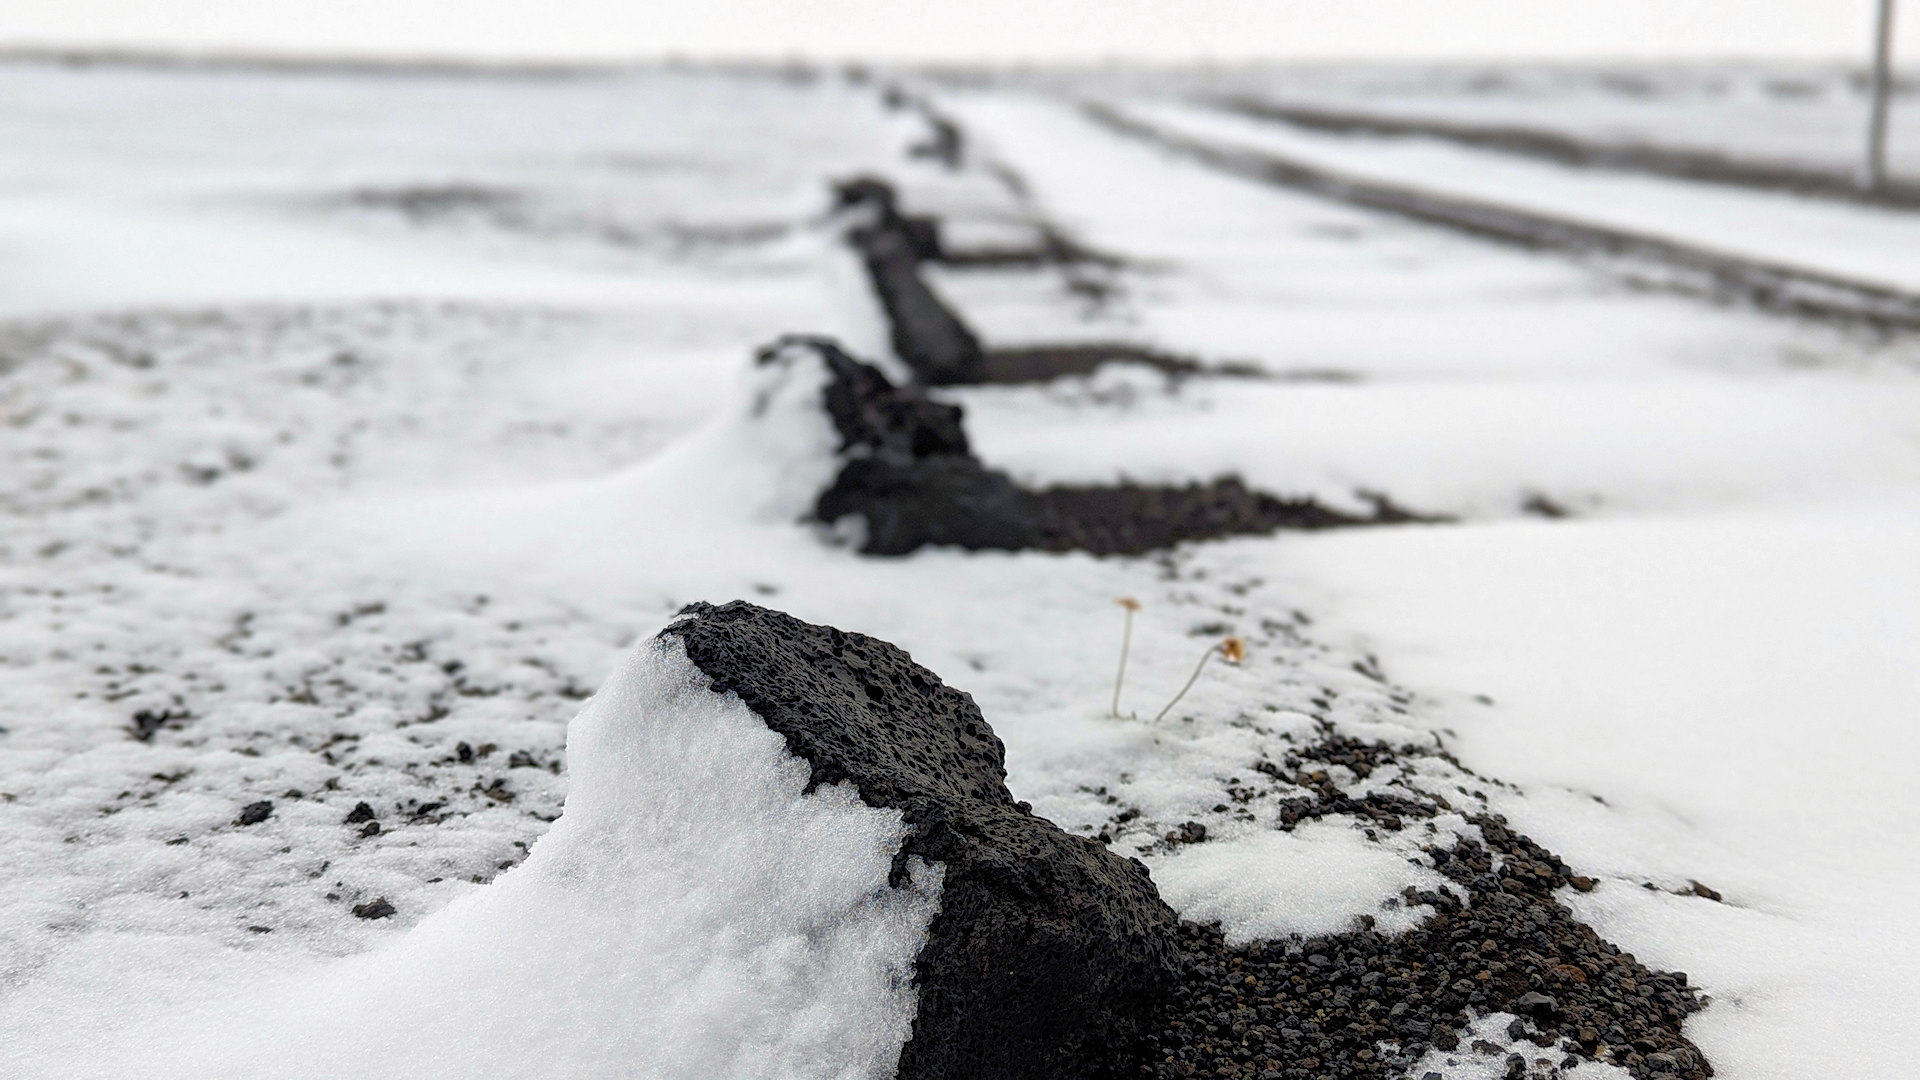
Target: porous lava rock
column 1050, row 956
column 910, row 475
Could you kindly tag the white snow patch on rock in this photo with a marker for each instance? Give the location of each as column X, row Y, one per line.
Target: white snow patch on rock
column 1316, row 879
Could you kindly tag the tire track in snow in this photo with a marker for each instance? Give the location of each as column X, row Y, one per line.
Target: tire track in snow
column 1642, row 259
column 1544, row 145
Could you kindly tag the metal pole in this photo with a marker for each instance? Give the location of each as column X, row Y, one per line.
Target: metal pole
column 1882, row 85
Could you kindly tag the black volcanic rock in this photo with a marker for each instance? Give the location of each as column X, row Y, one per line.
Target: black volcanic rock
column 876, row 199
column 1131, row 519
column 1050, row 955
column 927, row 334
column 872, row 415
column 910, row 475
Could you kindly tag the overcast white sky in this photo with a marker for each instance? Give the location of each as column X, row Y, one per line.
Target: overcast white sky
column 968, row 29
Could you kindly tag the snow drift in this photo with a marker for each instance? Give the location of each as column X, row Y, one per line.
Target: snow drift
column 698, row 911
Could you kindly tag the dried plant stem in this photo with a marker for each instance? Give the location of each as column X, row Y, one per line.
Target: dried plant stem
column 1126, row 639
column 1191, row 679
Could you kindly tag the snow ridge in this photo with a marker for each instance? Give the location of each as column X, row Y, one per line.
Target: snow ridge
column 696, row 912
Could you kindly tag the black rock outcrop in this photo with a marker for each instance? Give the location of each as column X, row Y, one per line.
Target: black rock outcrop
column 1050, row 956
column 927, row 335
column 931, row 338
column 910, row 475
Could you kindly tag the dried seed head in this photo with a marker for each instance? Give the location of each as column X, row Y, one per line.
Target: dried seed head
column 1129, row 603
column 1233, row 650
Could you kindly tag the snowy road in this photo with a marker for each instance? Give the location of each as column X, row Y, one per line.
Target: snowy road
column 364, row 455
column 1786, row 253
column 1612, row 154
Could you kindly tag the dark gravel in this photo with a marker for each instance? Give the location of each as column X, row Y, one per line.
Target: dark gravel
column 147, row 723
column 913, row 479
column 1362, row 1004
column 1133, row 519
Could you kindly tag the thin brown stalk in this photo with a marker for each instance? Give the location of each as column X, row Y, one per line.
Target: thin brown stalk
column 1233, row 649
column 1130, row 605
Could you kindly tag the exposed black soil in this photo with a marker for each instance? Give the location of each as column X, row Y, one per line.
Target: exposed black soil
column 1132, row 519
column 1566, row 150
column 1052, row 249
column 926, row 334
column 1363, row 1004
column 911, row 477
column 931, row 337
column 1044, row 363
column 1050, row 955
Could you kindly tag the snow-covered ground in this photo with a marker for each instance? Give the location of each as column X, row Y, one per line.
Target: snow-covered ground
column 1766, row 113
column 1856, row 243
column 1716, row 647
column 1738, row 687
column 357, row 426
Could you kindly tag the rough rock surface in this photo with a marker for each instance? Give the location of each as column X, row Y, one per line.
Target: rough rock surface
column 911, row 476
column 1050, row 955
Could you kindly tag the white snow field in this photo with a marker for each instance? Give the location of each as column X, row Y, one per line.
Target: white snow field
column 1856, row 243
column 1719, row 652
column 1759, row 112
column 358, row 426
